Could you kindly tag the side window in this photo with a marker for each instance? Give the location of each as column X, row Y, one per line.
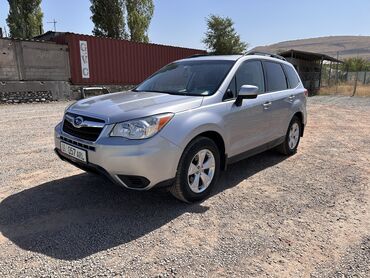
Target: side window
column 250, row 73
column 231, row 90
column 293, row 79
column 276, row 80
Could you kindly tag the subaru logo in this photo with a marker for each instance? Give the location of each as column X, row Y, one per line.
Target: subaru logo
column 77, row 122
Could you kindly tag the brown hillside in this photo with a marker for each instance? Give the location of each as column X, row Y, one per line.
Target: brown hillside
column 348, row 46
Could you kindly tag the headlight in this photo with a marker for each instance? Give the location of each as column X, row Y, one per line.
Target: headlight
column 141, row 128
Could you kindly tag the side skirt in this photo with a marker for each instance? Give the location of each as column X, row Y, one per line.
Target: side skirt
column 255, row 151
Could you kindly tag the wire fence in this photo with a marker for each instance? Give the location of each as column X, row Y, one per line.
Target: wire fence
column 335, row 80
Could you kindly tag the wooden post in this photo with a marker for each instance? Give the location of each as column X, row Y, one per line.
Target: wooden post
column 364, row 83
column 336, row 75
column 321, row 61
column 329, row 73
column 355, row 87
column 356, row 78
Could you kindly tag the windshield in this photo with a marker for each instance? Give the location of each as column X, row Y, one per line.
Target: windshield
column 197, row 78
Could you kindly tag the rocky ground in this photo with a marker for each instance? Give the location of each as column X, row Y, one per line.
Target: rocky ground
column 306, row 215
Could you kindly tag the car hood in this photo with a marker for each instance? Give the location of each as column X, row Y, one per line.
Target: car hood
column 123, row 106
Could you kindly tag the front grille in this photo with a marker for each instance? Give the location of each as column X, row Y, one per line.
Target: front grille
column 86, row 118
column 86, row 133
column 78, row 144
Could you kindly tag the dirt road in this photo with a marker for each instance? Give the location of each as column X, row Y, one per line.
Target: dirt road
column 306, row 215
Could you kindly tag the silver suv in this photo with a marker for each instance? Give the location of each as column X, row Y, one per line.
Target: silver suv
column 187, row 122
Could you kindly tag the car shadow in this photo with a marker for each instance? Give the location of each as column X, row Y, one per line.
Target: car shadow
column 78, row 216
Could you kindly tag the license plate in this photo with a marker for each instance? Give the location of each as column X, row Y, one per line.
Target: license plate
column 73, row 151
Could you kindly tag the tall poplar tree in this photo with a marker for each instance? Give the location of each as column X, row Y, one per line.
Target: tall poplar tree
column 139, row 15
column 108, row 18
column 25, row 18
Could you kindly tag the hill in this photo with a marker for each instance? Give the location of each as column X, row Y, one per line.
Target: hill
column 347, row 46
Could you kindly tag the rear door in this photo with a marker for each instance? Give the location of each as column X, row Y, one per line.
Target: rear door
column 296, row 93
column 278, row 92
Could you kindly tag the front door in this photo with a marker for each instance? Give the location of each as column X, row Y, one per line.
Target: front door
column 247, row 125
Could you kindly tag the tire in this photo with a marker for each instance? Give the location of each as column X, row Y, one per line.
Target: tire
column 194, row 181
column 292, row 137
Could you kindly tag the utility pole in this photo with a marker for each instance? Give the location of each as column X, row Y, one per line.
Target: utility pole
column 55, row 24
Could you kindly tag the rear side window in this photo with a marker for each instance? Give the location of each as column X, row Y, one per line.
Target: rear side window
column 276, row 80
column 292, row 76
column 250, row 73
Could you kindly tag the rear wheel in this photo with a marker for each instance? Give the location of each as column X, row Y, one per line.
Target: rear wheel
column 292, row 137
column 198, row 170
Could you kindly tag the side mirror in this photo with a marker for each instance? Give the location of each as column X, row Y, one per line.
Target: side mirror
column 246, row 92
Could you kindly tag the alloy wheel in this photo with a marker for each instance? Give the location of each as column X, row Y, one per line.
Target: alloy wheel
column 201, row 171
column 294, row 134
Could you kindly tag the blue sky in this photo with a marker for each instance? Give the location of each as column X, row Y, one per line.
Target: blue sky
column 259, row 22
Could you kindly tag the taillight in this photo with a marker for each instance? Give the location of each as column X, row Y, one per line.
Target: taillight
column 305, row 93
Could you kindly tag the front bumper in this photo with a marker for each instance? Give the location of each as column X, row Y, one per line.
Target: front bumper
column 153, row 160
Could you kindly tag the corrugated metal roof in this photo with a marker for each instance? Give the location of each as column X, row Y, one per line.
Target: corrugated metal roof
column 308, row 56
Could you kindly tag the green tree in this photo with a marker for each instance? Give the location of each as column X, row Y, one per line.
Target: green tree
column 25, row 18
column 108, row 18
column 139, row 15
column 221, row 37
column 355, row 64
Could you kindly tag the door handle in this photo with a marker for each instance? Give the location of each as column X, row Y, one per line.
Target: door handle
column 291, row 98
column 267, row 105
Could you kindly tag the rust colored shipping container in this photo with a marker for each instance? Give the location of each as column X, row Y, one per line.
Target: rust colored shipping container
column 105, row 61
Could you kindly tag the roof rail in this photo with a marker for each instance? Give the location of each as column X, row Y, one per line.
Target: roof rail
column 265, row 54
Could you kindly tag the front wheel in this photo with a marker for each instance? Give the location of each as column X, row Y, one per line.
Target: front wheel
column 292, row 137
column 197, row 171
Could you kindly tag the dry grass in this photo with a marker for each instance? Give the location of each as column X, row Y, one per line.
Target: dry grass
column 346, row 90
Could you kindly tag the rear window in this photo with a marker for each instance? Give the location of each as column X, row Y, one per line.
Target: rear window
column 292, row 76
column 276, row 80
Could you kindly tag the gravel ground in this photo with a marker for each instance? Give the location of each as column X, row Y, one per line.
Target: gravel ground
column 306, row 215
